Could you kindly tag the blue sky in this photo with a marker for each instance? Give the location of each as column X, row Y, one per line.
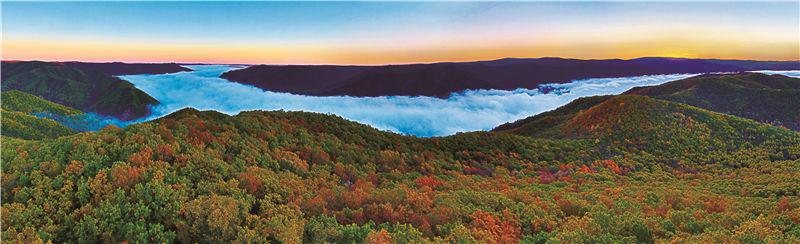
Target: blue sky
column 395, row 32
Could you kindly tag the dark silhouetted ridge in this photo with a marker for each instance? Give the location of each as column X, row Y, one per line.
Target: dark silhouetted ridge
column 118, row 68
column 442, row 79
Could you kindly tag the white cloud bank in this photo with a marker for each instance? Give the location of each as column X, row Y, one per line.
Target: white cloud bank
column 421, row 116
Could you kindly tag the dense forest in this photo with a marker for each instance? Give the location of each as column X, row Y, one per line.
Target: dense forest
column 609, row 169
column 23, row 116
column 773, row 99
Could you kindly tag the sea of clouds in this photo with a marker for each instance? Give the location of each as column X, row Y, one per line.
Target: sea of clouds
column 471, row 110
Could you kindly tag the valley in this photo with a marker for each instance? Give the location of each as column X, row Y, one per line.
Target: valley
column 642, row 166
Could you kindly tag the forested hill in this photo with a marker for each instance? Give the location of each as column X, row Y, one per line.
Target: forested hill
column 118, row 68
column 21, row 117
column 89, row 91
column 203, row 176
column 442, row 79
column 666, row 131
column 773, row 99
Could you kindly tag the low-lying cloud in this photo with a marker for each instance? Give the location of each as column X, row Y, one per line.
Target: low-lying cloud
column 87, row 121
column 471, row 110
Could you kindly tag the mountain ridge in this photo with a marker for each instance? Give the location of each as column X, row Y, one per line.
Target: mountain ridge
column 773, row 99
column 443, row 78
column 89, row 91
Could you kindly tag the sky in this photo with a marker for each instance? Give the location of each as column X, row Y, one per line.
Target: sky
column 395, row 32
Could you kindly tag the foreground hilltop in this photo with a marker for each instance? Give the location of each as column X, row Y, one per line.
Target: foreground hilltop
column 442, row 79
column 292, row 177
column 88, row 91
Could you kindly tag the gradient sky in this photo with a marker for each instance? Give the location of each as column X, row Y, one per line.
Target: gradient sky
column 395, row 32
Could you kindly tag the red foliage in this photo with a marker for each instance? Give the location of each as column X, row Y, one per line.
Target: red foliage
column 565, row 167
column 344, row 172
column 612, row 165
column 428, row 181
column 785, row 205
column 251, row 184
column 165, row 133
column 165, row 153
column 200, row 133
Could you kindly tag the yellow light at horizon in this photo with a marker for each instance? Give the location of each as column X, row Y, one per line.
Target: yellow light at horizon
column 600, row 45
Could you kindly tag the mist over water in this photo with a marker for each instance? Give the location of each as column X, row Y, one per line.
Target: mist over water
column 470, row 110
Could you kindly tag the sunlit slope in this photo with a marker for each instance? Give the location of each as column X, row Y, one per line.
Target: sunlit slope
column 19, row 118
column 547, row 124
column 87, row 91
column 18, row 101
column 773, row 99
column 669, row 132
column 25, row 126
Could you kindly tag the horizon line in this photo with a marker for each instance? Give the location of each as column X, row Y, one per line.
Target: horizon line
column 383, row 64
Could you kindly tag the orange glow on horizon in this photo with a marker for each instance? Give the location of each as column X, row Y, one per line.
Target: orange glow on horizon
column 598, row 48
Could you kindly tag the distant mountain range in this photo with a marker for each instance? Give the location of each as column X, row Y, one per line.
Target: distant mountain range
column 117, row 68
column 442, row 79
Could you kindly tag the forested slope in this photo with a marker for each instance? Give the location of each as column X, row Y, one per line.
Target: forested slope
column 21, row 116
column 291, row 176
column 771, row 99
column 89, row 91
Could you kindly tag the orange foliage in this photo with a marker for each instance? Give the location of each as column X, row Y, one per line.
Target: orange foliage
column 489, row 228
column 568, row 207
column 612, row 165
column 586, row 169
column 428, row 181
column 164, row 152
column 75, row 167
column 538, row 201
column 165, row 133
column 141, row 158
column 785, row 205
column 380, row 237
column 715, row 205
column 126, row 176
